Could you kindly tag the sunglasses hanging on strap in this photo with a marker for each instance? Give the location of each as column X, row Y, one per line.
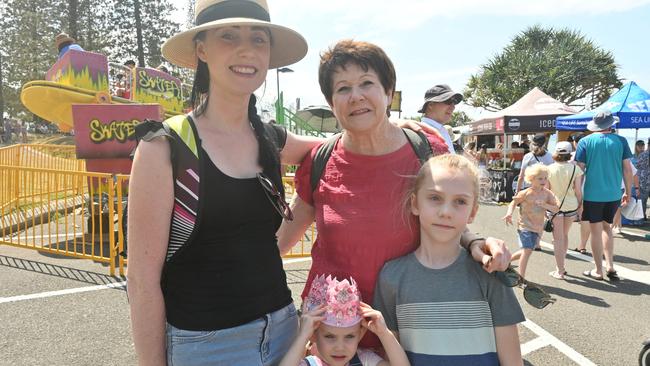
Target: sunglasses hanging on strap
column 533, row 294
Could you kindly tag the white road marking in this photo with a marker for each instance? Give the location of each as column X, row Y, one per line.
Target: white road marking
column 546, row 338
column 77, row 290
column 636, row 276
column 69, row 291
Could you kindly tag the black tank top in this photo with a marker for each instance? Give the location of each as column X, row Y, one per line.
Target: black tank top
column 232, row 272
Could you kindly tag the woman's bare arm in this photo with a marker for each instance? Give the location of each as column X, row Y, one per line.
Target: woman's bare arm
column 290, row 232
column 297, row 146
column 151, row 197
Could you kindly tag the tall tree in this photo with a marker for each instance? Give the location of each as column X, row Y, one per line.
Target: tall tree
column 73, row 18
column 155, row 26
column 27, row 29
column 562, row 63
column 459, row 118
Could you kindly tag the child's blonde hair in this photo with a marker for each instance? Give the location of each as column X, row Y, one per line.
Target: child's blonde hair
column 534, row 171
column 454, row 162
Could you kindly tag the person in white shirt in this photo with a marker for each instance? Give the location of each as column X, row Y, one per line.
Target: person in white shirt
column 439, row 104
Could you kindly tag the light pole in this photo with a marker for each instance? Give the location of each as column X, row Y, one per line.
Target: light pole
column 277, row 73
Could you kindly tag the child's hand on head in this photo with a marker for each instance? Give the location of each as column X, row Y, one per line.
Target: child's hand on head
column 310, row 320
column 373, row 320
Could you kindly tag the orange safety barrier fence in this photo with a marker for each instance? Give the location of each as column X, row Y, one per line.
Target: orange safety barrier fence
column 48, row 202
column 57, row 211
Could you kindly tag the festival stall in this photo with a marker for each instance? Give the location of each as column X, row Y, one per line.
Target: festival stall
column 534, row 113
column 631, row 104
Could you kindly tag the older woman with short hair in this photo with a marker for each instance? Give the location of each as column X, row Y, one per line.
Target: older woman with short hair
column 357, row 202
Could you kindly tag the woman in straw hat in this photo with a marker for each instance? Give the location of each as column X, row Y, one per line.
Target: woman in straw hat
column 223, row 299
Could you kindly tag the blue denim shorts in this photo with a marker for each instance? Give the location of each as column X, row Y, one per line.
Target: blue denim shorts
column 261, row 342
column 527, row 239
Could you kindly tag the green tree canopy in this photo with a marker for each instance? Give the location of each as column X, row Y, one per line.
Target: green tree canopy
column 562, row 63
column 28, row 28
column 459, row 118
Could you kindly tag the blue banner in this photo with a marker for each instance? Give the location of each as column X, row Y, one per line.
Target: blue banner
column 631, row 104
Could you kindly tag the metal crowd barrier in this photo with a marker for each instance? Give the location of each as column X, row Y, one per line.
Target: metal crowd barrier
column 49, row 203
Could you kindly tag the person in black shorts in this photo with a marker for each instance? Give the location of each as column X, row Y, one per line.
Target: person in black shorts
column 605, row 158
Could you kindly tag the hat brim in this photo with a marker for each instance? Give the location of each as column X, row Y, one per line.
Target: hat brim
column 594, row 127
column 441, row 98
column 288, row 46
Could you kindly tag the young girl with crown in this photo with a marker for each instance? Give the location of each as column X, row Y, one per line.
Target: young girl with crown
column 335, row 320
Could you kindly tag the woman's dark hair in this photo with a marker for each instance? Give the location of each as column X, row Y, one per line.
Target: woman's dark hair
column 269, row 154
column 363, row 54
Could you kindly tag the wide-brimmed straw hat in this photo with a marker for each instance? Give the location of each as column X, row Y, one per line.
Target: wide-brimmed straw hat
column 287, row 46
column 62, row 38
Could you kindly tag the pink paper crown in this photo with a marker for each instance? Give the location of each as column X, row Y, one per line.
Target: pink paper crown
column 342, row 299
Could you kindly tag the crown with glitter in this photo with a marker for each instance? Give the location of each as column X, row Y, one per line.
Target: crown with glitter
column 341, row 297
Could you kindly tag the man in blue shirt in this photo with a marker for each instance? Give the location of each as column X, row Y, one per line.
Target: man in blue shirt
column 605, row 158
column 439, row 104
column 64, row 43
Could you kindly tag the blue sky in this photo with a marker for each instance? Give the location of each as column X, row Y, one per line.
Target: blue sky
column 432, row 42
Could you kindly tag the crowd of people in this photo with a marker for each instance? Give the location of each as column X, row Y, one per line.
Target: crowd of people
column 394, row 266
column 13, row 131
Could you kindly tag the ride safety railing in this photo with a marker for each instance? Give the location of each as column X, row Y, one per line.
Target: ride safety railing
column 293, row 123
column 49, row 203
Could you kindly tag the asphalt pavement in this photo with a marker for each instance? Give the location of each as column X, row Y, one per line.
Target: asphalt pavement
column 64, row 311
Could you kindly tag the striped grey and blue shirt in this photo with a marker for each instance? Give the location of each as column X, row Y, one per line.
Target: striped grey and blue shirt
column 445, row 316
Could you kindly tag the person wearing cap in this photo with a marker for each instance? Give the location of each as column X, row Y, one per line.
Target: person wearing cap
column 605, row 159
column 565, row 181
column 538, row 155
column 438, row 107
column 64, row 43
column 222, row 298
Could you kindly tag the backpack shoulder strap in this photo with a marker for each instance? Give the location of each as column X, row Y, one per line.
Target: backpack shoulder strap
column 420, row 144
column 186, row 165
column 183, row 127
column 320, row 160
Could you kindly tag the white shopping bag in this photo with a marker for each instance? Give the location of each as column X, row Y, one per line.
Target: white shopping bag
column 633, row 210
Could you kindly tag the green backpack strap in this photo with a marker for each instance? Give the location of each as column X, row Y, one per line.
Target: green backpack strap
column 420, row 144
column 320, row 160
column 418, row 141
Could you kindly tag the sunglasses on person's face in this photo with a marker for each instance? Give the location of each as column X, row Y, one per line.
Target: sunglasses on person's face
column 533, row 294
column 275, row 197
